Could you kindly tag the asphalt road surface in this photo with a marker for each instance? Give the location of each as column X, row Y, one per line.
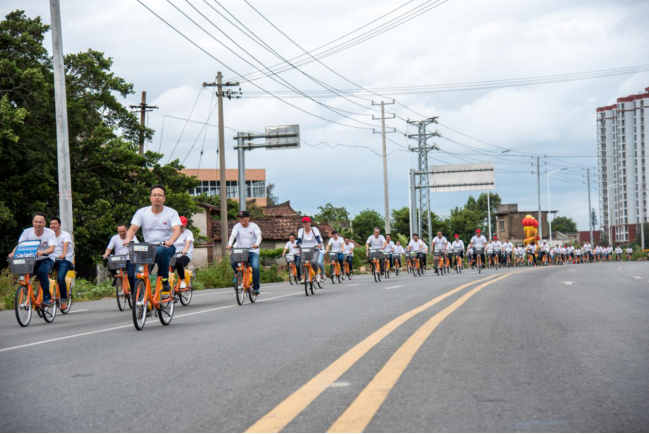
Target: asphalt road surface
column 544, row 349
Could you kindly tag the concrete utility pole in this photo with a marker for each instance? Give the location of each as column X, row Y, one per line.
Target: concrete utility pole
column 385, row 163
column 222, row 182
column 489, row 193
column 590, row 211
column 538, row 180
column 61, row 106
column 422, row 152
column 413, row 202
column 143, row 108
column 549, row 208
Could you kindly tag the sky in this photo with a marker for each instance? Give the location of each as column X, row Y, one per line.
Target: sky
column 458, row 41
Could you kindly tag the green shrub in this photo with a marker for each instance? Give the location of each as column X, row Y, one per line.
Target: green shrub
column 8, row 286
column 221, row 275
column 85, row 290
column 638, row 254
column 265, row 254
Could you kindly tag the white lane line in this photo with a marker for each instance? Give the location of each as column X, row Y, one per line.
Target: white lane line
column 214, row 293
column 17, row 347
column 393, row 287
column 638, row 277
column 353, row 284
column 77, row 311
column 567, row 283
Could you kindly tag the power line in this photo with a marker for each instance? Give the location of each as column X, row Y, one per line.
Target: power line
column 185, row 126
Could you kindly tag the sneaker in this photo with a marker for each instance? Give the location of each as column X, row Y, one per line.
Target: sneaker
column 255, row 291
column 46, row 303
column 166, row 290
column 183, row 284
column 317, row 278
column 303, row 281
column 64, row 304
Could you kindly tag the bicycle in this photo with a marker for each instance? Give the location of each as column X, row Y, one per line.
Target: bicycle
column 386, row 266
column 307, row 253
column 496, row 259
column 122, row 285
column 347, row 270
column 292, row 269
column 397, row 259
column 439, row 262
column 375, row 258
column 478, row 254
column 457, row 255
column 144, row 299
column 243, row 275
column 68, row 287
column 334, row 268
column 22, row 265
column 183, row 294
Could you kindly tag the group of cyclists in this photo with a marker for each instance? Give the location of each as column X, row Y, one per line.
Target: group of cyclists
column 170, row 246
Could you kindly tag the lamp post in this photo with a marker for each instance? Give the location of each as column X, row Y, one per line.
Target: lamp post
column 489, row 194
column 550, row 208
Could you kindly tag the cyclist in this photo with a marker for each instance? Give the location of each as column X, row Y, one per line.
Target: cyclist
column 309, row 236
column 578, row 255
column 509, row 248
column 293, row 249
column 588, row 255
column 531, row 252
column 160, row 224
column 398, row 251
column 490, row 252
column 439, row 244
column 117, row 243
column 63, row 254
column 629, row 252
column 457, row 247
column 618, row 253
column 478, row 241
column 45, row 253
column 247, row 235
column 375, row 241
column 184, row 244
column 336, row 244
column 497, row 248
column 348, row 249
column 389, row 249
column 544, row 250
column 416, row 245
column 520, row 253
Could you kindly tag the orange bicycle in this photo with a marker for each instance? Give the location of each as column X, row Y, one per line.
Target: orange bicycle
column 22, row 265
column 308, row 273
column 243, row 275
column 117, row 263
column 292, row 269
column 375, row 257
column 439, row 262
column 334, row 269
column 144, row 299
column 457, row 254
column 347, row 271
column 183, row 294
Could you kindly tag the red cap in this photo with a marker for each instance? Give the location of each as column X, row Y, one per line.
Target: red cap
column 477, row 230
column 457, row 236
column 306, row 219
column 495, row 237
column 183, row 220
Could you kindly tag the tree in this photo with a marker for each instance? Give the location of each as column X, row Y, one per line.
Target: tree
column 463, row 222
column 364, row 223
column 400, row 223
column 110, row 180
column 332, row 214
column 565, row 225
column 271, row 198
column 255, row 210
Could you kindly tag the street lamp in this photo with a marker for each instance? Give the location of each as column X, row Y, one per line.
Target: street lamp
column 550, row 208
column 489, row 194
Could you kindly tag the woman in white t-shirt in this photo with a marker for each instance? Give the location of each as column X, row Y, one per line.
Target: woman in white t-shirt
column 310, row 237
column 185, row 246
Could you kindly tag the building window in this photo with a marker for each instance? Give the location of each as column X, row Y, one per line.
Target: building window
column 502, row 225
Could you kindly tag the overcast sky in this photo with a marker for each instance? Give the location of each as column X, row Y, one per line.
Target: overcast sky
column 458, row 41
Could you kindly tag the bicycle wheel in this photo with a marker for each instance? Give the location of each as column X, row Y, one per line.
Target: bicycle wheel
column 291, row 277
column 166, row 311
column 251, row 293
column 479, row 263
column 23, row 306
column 340, row 277
column 311, row 288
column 186, row 295
column 140, row 305
column 374, row 273
column 49, row 312
column 238, row 288
column 307, row 277
column 332, row 272
column 120, row 295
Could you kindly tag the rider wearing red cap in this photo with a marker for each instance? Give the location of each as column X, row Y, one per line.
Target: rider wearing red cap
column 310, row 237
column 478, row 242
column 458, row 248
column 184, row 250
column 497, row 248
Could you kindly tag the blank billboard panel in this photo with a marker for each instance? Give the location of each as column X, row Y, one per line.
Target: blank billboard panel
column 462, row 177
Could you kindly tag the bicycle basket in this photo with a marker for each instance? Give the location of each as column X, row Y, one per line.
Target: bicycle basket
column 479, row 250
column 116, row 262
column 458, row 250
column 142, row 253
column 376, row 254
column 22, row 265
column 307, row 253
column 333, row 256
column 239, row 255
column 290, row 258
column 172, row 261
column 438, row 252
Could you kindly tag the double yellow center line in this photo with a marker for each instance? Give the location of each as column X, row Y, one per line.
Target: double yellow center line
column 363, row 409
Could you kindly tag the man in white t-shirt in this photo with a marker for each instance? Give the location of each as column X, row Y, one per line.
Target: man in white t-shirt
column 185, row 246
column 45, row 253
column 618, row 253
column 247, row 235
column 457, row 247
column 160, row 225
column 398, row 251
column 335, row 244
column 64, row 254
column 117, row 244
column 348, row 249
column 439, row 249
column 294, row 250
column 375, row 241
column 388, row 250
column 478, row 242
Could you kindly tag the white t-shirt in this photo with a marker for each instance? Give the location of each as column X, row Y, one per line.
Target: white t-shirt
column 376, row 242
column 348, row 249
column 309, row 240
column 245, row 238
column 497, row 246
column 508, row 247
column 398, row 250
column 47, row 239
column 416, row 246
column 587, row 247
column 117, row 244
column 479, row 241
column 490, row 248
column 389, row 247
column 531, row 248
column 156, row 228
column 629, row 250
column 292, row 247
column 185, row 236
column 458, row 245
column 440, row 243
column 336, row 245
column 60, row 240
column 618, row 251
column 544, row 247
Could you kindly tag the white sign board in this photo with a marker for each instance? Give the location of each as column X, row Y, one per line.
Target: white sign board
column 274, row 139
column 462, row 177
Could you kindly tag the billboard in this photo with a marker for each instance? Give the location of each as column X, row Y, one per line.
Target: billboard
column 462, row 177
column 275, row 139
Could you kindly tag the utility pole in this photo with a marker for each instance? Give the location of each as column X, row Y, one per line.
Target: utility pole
column 549, row 207
column 538, row 180
column 422, row 150
column 590, row 211
column 144, row 108
column 385, row 163
column 61, row 106
column 221, row 149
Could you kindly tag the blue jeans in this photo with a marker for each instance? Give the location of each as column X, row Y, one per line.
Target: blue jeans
column 321, row 262
column 297, row 266
column 253, row 260
column 350, row 260
column 62, row 267
column 162, row 257
column 42, row 270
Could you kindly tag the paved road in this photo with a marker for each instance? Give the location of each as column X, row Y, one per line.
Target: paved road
column 551, row 349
